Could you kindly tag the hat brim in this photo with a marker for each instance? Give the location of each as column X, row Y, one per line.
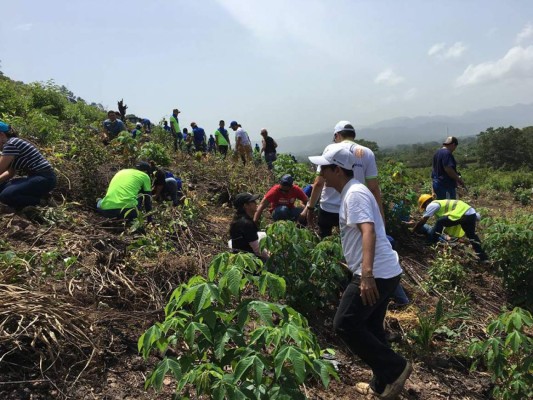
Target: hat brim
column 319, row 160
column 254, row 197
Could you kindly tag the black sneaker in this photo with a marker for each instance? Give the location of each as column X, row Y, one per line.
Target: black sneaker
column 392, row 390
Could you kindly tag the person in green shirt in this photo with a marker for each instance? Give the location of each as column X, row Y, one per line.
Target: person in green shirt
column 222, row 139
column 128, row 192
column 175, row 129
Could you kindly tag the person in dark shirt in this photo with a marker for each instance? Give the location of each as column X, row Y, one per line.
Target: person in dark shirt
column 243, row 230
column 444, row 174
column 166, row 186
column 113, row 126
column 22, row 157
column 199, row 137
column 269, row 148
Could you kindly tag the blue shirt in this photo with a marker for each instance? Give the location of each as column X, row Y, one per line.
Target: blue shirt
column 114, row 128
column 443, row 158
column 199, row 134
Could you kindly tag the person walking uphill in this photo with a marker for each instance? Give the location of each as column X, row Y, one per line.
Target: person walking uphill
column 175, row 129
column 19, row 156
column 365, row 171
column 269, row 148
column 222, row 139
column 449, row 213
column 376, row 274
column 243, row 146
column 444, row 175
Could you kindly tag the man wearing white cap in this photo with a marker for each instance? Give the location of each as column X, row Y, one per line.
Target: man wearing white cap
column 376, row 274
column 365, row 171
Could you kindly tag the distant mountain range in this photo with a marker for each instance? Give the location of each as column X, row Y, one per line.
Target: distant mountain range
column 406, row 130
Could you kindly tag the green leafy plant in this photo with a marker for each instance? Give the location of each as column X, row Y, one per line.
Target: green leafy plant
column 302, row 173
column 446, row 271
column 155, row 152
column 508, row 354
column 311, row 268
column 231, row 345
column 508, row 243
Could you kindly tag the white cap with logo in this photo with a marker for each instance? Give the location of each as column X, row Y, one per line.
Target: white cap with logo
column 342, row 126
column 335, row 154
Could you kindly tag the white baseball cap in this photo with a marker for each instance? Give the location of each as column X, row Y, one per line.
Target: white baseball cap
column 342, row 126
column 336, row 154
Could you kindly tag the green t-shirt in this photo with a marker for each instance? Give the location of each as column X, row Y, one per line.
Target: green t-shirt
column 124, row 188
column 220, row 139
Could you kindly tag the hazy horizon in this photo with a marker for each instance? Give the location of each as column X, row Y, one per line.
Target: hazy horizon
column 294, row 67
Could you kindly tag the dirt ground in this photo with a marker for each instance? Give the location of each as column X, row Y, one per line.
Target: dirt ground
column 98, row 308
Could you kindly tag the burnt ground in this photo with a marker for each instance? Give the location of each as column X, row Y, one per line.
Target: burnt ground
column 71, row 331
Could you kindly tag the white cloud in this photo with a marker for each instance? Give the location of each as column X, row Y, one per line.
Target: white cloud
column 440, row 51
column 456, row 50
column 410, row 94
column 23, row 27
column 525, row 33
column 389, row 78
column 436, row 48
column 517, row 63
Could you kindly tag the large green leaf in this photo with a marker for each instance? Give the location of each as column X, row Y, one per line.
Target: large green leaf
column 190, row 333
column 166, row 365
column 232, row 280
column 263, row 310
column 294, row 356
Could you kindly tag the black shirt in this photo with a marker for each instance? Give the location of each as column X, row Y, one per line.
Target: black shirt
column 242, row 231
column 270, row 146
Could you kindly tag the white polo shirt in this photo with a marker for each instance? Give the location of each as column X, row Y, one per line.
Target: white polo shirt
column 241, row 133
column 358, row 205
column 364, row 168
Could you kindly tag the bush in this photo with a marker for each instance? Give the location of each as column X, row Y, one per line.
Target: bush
column 312, row 269
column 446, row 271
column 302, row 173
column 155, row 152
column 508, row 354
column 508, row 242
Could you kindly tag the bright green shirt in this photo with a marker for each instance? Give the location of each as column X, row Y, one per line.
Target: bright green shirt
column 220, row 139
column 175, row 123
column 124, row 189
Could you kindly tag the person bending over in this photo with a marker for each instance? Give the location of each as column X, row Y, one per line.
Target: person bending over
column 22, row 158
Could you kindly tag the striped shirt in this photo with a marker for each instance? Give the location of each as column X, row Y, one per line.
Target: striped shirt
column 27, row 157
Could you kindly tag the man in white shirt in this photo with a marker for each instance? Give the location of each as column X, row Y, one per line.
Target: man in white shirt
column 243, row 145
column 376, row 274
column 365, row 171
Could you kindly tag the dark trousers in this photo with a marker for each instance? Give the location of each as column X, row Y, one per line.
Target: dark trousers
column 28, row 191
column 326, row 222
column 361, row 329
column 270, row 158
column 178, row 138
column 468, row 223
column 144, row 203
column 223, row 150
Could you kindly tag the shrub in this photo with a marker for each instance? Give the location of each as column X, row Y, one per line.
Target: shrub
column 235, row 347
column 155, row 152
column 508, row 354
column 446, row 271
column 303, row 174
column 312, row 270
column 508, row 243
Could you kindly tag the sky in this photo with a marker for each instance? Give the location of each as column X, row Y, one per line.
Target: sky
column 295, row 67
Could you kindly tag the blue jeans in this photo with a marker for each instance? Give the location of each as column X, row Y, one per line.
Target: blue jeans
column 468, row 223
column 283, row 213
column 361, row 328
column 21, row 192
column 171, row 190
column 399, row 296
column 444, row 192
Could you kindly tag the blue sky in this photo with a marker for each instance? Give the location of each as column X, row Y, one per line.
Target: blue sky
column 295, row 67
